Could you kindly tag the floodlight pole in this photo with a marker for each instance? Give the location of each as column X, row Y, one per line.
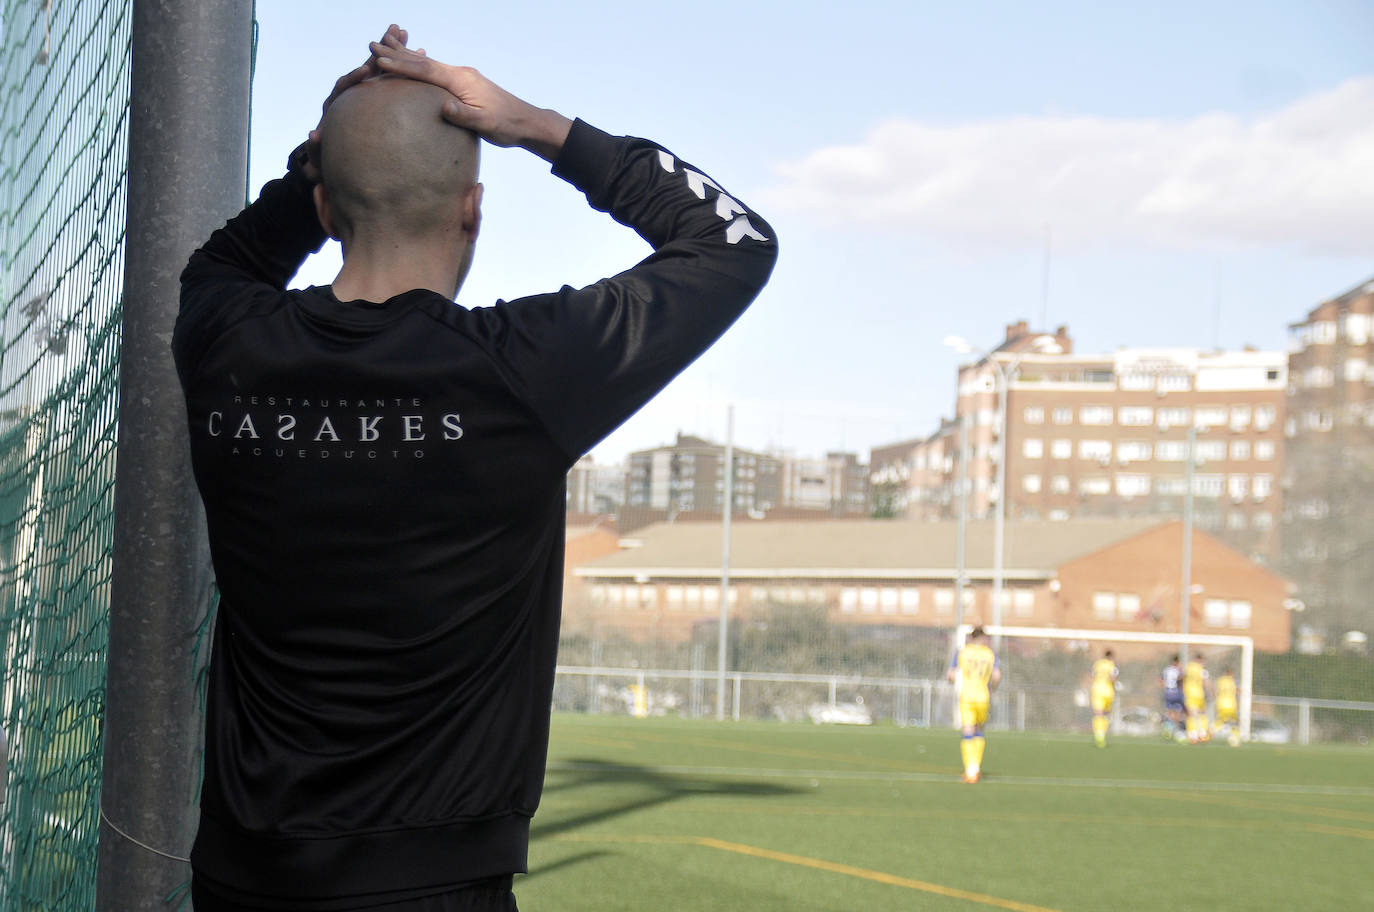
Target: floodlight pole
column 1185, row 595
column 188, row 148
column 725, row 561
column 960, row 545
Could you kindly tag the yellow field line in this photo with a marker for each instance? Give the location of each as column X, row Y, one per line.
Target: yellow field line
column 877, row 876
column 1339, row 831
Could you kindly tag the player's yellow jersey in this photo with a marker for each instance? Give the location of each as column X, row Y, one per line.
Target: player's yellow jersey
column 1194, row 683
column 1104, row 683
column 975, row 664
column 1226, row 690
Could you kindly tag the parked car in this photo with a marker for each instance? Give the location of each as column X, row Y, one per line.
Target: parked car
column 1265, row 730
column 840, row 714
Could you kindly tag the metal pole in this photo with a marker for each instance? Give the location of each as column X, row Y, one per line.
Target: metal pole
column 1185, row 596
column 960, row 543
column 1000, row 517
column 188, row 146
column 725, row 558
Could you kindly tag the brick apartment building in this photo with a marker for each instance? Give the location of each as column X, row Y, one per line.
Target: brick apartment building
column 689, row 476
column 1328, row 527
column 1106, row 435
column 1105, row 574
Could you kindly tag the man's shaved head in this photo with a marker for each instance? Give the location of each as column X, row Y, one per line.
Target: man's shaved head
column 390, row 162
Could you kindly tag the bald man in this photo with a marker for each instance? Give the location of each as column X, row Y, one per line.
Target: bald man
column 383, row 475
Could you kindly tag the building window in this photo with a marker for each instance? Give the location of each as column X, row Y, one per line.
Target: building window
column 1132, row 485
column 911, row 599
column 1100, row 450
column 1262, row 487
column 891, row 599
column 1136, row 415
column 1030, row 484
column 1171, row 486
column 944, row 601
column 1133, row 451
column 1318, row 377
column 1174, row 383
column 1324, row 333
column 1136, row 380
column 1024, row 602
column 868, row 599
column 1127, row 606
column 1264, row 417
column 1063, row 416
column 1263, row 519
column 1240, row 450
column 1104, row 606
column 1356, row 327
column 1033, row 448
column 1240, row 417
column 1174, row 417
column 1210, row 450
column 1058, row 515
column 1240, row 615
column 1208, row 485
column 1098, row 485
column 1237, row 486
column 675, row 595
column 1264, row 450
column 849, row 600
column 1355, row 369
column 1095, row 414
column 1172, row 451
column 1059, row 484
column 1062, row 449
column 1206, row 416
column 1216, row 612
column 1034, row 414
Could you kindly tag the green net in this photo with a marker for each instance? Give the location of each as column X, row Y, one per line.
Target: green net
column 64, row 104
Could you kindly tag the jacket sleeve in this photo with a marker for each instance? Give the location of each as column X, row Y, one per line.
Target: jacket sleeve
column 587, row 359
column 246, row 262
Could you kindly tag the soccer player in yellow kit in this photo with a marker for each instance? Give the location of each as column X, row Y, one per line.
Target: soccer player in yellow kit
column 1103, row 695
column 1195, row 699
column 1226, row 705
column 976, row 672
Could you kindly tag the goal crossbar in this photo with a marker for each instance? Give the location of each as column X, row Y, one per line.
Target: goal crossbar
column 1244, row 688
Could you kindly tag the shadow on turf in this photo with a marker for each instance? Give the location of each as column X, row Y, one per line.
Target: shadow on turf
column 647, row 789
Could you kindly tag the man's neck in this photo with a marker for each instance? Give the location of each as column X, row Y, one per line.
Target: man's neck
column 378, row 272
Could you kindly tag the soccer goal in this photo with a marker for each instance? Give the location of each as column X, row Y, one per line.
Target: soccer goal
column 1046, row 672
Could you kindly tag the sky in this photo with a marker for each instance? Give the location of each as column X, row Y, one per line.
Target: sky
column 1168, row 175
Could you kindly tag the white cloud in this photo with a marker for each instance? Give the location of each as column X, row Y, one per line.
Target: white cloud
column 1301, row 176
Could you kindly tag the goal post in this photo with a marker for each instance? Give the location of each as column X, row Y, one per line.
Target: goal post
column 1080, row 638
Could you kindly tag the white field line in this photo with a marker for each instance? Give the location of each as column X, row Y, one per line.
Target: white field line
column 995, row 780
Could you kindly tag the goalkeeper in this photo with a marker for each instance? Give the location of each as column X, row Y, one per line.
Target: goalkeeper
column 383, row 475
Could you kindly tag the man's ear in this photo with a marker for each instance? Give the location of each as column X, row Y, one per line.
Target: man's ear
column 324, row 211
column 472, row 212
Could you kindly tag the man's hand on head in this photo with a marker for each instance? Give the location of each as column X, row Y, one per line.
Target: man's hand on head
column 478, row 104
column 397, row 37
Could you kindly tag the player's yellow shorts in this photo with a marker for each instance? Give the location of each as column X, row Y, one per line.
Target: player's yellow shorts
column 1102, row 701
column 973, row 714
column 1226, row 712
column 1195, row 703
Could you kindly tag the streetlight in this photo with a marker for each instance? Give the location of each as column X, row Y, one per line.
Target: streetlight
column 1044, row 344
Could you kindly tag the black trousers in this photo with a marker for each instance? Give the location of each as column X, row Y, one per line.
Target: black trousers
column 492, row 895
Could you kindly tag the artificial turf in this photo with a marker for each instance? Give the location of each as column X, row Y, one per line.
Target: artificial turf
column 671, row 814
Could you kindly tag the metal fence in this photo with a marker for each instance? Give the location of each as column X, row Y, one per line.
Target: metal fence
column 920, row 702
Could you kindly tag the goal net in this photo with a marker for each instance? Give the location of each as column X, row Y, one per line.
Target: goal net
column 1046, row 675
